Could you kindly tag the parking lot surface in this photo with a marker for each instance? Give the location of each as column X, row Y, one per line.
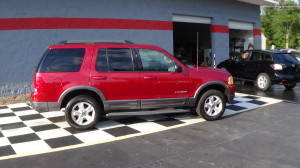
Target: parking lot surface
column 25, row 131
column 256, row 132
column 276, row 91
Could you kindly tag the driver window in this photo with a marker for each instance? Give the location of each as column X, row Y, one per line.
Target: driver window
column 246, row 56
column 153, row 60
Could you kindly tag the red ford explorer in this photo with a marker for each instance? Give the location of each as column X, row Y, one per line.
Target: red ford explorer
column 93, row 78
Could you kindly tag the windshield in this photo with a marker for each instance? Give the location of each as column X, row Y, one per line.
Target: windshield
column 286, row 57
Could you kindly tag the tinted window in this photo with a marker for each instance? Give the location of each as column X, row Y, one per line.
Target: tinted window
column 153, row 60
column 62, row 60
column 266, row 57
column 286, row 57
column 102, row 61
column 119, row 59
column 255, row 56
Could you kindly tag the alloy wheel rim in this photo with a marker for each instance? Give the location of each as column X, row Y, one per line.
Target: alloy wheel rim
column 213, row 105
column 262, row 81
column 83, row 113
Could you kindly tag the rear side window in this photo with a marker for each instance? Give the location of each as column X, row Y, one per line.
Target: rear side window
column 62, row 60
column 115, row 60
column 266, row 57
column 102, row 65
column 255, row 56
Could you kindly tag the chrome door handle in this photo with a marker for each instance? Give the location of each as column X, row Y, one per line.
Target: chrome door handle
column 99, row 77
column 150, row 77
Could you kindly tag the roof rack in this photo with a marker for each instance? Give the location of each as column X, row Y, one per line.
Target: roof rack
column 96, row 42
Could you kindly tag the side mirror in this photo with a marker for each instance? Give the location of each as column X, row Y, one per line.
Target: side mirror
column 178, row 68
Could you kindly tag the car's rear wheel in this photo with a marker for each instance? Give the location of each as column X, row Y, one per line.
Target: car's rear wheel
column 211, row 105
column 82, row 112
column 263, row 81
column 290, row 85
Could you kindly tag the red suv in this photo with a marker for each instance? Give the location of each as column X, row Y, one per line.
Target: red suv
column 93, row 78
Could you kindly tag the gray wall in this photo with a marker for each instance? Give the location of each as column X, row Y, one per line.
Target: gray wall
column 20, row 50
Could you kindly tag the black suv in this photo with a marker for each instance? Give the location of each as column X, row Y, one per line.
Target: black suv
column 265, row 68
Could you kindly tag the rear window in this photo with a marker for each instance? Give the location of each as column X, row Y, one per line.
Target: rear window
column 62, row 60
column 286, row 57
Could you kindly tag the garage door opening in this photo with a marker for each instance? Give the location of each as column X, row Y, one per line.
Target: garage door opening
column 187, row 36
column 241, row 37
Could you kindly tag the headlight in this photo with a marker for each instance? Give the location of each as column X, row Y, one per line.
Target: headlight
column 230, row 80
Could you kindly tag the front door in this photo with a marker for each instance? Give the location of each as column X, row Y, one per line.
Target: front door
column 161, row 84
column 253, row 66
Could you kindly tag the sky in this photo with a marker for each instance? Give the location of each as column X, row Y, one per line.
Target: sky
column 296, row 1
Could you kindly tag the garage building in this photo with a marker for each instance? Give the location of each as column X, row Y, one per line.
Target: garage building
column 210, row 29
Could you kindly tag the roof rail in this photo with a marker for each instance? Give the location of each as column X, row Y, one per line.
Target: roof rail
column 96, row 42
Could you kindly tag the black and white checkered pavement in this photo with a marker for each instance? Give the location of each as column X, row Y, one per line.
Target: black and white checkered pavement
column 24, row 130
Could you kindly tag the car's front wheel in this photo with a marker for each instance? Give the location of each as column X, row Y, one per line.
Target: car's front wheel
column 290, row 85
column 263, row 81
column 82, row 112
column 211, row 105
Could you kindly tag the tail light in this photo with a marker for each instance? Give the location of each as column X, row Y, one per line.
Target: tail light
column 277, row 66
column 38, row 84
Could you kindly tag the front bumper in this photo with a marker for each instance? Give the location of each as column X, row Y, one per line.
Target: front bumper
column 230, row 93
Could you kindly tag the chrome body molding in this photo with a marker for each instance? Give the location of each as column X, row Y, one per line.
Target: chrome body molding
column 145, row 104
column 163, row 103
column 121, row 104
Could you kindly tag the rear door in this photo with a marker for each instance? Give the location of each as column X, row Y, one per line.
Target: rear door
column 113, row 73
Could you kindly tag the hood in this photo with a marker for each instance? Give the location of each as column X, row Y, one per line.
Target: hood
column 209, row 69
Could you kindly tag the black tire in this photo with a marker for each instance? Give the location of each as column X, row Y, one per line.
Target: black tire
column 211, row 112
column 87, row 108
column 290, row 86
column 263, row 81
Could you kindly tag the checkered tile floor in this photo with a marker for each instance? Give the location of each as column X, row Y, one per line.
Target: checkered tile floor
column 23, row 130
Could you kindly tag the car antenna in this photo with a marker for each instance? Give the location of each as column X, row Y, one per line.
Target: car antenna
column 214, row 60
column 197, row 50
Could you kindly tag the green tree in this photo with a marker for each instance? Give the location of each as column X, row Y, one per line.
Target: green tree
column 281, row 24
